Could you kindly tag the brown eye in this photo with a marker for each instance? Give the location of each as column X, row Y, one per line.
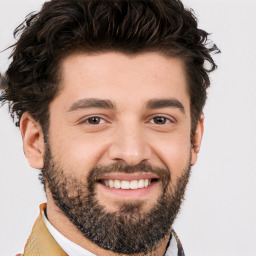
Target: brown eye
column 94, row 120
column 160, row 120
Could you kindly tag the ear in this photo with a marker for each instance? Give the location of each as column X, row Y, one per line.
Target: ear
column 33, row 141
column 197, row 140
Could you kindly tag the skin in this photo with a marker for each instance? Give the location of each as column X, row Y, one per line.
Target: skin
column 127, row 133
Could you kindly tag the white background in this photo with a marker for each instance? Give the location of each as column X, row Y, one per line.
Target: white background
column 219, row 214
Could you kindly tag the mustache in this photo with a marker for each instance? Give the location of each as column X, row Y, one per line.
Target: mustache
column 97, row 172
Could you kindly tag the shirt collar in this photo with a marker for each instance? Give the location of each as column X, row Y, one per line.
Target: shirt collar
column 68, row 246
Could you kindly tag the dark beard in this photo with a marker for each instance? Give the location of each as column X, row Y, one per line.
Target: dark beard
column 126, row 231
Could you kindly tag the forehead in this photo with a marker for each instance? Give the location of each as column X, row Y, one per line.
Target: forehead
column 128, row 78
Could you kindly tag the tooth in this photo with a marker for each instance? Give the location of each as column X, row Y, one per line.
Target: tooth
column 117, row 184
column 111, row 183
column 141, row 184
column 125, row 184
column 134, row 184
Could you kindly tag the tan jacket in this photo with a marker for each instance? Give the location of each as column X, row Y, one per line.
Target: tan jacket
column 40, row 241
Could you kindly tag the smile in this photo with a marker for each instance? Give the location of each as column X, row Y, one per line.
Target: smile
column 125, row 184
column 130, row 186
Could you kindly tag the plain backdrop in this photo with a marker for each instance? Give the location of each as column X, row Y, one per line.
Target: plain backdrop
column 218, row 216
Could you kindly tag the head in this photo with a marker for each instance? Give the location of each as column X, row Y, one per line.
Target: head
column 106, row 91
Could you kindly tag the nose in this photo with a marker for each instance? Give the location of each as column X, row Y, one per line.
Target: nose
column 130, row 145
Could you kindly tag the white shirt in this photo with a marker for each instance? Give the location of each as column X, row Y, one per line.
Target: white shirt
column 73, row 249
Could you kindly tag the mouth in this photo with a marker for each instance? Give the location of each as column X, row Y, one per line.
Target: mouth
column 138, row 185
column 128, row 184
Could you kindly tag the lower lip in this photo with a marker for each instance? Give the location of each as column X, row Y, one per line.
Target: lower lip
column 129, row 193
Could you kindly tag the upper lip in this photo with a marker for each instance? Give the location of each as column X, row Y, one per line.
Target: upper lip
column 129, row 177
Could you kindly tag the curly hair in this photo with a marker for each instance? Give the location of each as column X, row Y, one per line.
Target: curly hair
column 128, row 26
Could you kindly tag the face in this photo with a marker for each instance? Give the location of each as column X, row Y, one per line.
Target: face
column 119, row 143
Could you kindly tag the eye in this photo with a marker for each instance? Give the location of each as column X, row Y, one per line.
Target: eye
column 160, row 120
column 94, row 120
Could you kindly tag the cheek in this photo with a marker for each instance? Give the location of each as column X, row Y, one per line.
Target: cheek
column 175, row 154
column 75, row 152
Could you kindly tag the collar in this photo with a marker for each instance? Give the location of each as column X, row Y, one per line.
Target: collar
column 40, row 241
column 68, row 246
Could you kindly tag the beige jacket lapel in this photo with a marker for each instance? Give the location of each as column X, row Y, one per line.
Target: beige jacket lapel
column 40, row 241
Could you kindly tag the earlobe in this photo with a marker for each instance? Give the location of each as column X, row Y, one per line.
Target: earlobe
column 197, row 140
column 33, row 140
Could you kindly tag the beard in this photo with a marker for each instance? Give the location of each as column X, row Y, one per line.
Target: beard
column 128, row 230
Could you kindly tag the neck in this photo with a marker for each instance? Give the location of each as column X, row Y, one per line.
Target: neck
column 59, row 221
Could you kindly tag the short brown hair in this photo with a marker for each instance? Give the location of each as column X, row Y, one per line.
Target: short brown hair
column 128, row 26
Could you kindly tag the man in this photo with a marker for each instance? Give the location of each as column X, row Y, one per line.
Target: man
column 108, row 96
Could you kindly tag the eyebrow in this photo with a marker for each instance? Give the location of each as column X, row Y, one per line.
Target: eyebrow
column 107, row 104
column 165, row 103
column 92, row 103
